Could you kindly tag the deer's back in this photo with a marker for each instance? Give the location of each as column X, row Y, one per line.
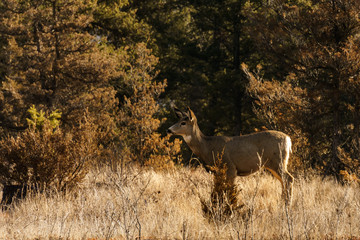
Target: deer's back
column 245, row 152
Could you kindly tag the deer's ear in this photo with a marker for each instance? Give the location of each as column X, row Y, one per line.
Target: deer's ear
column 191, row 115
column 178, row 113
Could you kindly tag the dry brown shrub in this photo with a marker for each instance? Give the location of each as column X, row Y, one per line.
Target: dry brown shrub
column 49, row 156
column 224, row 194
column 351, row 173
column 163, row 154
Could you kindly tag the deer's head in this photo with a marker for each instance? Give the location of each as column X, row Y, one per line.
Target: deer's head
column 186, row 124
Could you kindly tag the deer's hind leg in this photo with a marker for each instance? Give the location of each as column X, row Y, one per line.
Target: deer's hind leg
column 288, row 185
column 286, row 180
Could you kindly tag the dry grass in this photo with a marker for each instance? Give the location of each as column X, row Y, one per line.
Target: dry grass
column 150, row 205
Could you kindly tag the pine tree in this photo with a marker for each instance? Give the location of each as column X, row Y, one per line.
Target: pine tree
column 52, row 62
column 137, row 117
column 119, row 23
column 200, row 45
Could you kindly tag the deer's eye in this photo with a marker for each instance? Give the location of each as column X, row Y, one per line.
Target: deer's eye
column 183, row 123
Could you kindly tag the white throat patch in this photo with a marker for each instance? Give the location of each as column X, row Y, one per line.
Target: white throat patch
column 187, row 138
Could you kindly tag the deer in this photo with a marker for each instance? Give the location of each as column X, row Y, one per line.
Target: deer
column 242, row 155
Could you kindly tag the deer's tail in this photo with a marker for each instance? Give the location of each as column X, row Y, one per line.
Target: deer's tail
column 288, row 150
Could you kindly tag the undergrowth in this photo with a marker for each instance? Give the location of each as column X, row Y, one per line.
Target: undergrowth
column 140, row 203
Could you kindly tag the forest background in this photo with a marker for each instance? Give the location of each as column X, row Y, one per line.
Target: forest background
column 87, row 82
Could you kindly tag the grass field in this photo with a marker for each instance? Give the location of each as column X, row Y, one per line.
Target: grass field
column 143, row 204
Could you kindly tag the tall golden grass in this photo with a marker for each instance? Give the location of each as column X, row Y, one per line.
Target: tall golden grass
column 143, row 204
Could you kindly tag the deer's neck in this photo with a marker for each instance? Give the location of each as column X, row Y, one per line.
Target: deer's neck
column 197, row 143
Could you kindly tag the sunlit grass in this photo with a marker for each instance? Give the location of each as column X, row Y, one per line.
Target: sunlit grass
column 166, row 205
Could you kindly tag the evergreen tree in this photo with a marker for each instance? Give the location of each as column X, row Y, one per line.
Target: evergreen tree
column 52, row 62
column 137, row 116
column 118, row 22
column 200, row 45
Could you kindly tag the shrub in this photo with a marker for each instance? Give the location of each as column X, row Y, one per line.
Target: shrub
column 223, row 199
column 46, row 155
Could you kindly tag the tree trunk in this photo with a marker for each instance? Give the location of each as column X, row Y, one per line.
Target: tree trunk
column 335, row 164
column 236, row 42
column 357, row 128
column 239, row 94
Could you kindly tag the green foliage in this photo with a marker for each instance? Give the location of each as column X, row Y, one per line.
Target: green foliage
column 117, row 21
column 37, row 119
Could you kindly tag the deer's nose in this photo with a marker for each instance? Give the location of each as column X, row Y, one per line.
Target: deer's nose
column 169, row 131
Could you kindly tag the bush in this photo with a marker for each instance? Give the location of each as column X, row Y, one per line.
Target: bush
column 223, row 199
column 46, row 155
